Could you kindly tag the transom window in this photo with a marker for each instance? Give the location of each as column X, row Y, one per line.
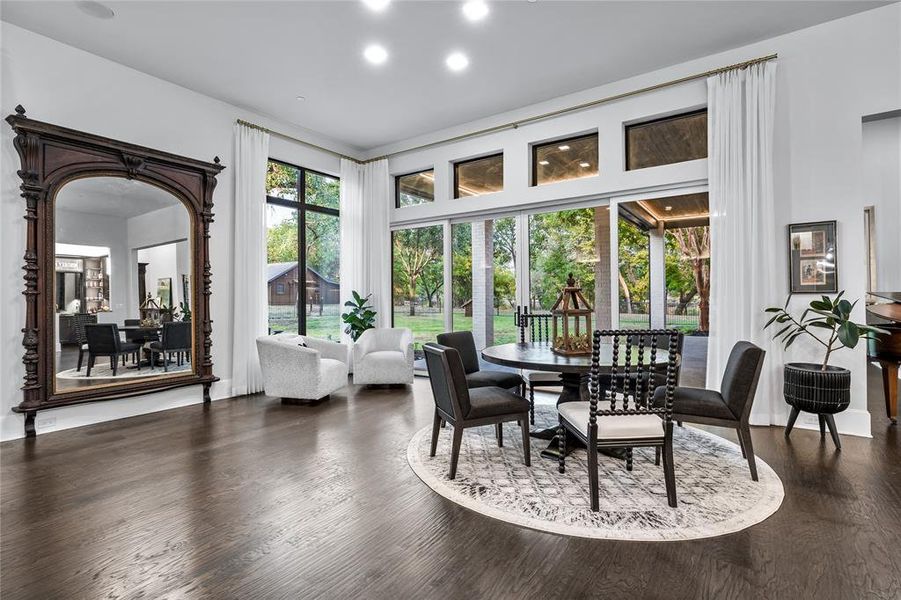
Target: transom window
column 573, row 158
column 666, row 141
column 479, row 176
column 415, row 188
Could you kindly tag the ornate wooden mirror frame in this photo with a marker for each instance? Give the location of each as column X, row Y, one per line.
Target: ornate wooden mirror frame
column 52, row 156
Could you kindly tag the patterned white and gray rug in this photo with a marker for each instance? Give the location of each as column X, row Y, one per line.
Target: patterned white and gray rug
column 102, row 370
column 714, row 488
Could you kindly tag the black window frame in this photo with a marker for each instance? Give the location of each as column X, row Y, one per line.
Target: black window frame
column 681, row 115
column 536, row 146
column 397, row 179
column 302, row 207
column 470, row 160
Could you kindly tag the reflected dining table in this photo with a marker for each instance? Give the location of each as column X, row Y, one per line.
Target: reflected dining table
column 574, row 371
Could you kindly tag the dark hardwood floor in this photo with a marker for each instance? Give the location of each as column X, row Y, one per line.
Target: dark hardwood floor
column 252, row 499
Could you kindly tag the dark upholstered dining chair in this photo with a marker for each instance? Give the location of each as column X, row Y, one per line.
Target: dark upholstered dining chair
column 731, row 406
column 623, row 414
column 463, row 407
column 79, row 321
column 176, row 338
column 465, row 345
column 103, row 340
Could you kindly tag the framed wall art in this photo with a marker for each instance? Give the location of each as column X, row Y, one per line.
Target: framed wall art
column 813, row 258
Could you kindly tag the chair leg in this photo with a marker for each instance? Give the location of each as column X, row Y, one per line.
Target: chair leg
column 656, row 456
column 669, row 472
column 455, row 450
column 747, row 446
column 436, row 427
column 830, row 422
column 80, row 356
column 791, row 421
column 531, row 404
column 90, row 364
column 499, row 429
column 166, row 362
column 741, row 443
column 593, row 476
column 628, row 459
column 526, row 446
column 822, row 420
column 561, row 449
column 114, row 363
column 443, row 423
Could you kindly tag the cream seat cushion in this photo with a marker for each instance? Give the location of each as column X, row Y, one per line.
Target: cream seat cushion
column 540, row 376
column 612, row 427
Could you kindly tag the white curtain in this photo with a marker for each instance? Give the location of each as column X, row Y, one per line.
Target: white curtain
column 250, row 298
column 745, row 244
column 365, row 234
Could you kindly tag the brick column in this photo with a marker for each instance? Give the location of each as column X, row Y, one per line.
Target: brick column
column 483, row 283
column 603, row 312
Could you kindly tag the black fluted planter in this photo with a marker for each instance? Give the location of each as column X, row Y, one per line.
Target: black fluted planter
column 810, row 389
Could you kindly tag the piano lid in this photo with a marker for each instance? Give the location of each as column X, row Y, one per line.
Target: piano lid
column 893, row 296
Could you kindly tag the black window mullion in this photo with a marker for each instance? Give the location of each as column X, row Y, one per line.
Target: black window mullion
column 302, row 253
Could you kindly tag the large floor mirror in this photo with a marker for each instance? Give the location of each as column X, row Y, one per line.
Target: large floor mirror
column 117, row 270
column 123, row 265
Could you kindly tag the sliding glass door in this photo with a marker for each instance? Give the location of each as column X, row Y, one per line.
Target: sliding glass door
column 418, row 282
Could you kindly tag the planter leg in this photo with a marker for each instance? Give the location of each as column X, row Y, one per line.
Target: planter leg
column 791, row 421
column 830, row 421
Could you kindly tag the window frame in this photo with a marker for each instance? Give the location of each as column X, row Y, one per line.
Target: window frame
column 536, row 145
column 302, row 207
column 397, row 179
column 681, row 115
column 455, row 164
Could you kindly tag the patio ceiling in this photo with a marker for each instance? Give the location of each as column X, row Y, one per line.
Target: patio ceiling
column 673, row 212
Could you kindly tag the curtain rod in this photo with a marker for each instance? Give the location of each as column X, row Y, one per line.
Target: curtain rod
column 527, row 120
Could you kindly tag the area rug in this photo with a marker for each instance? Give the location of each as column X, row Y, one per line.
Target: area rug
column 715, row 493
column 102, row 370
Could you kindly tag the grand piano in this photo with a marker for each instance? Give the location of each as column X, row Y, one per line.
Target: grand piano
column 886, row 349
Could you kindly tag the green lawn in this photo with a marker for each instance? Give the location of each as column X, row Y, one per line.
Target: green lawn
column 427, row 327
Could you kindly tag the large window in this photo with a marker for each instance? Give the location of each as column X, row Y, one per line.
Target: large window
column 479, row 176
column 418, row 282
column 415, row 188
column 303, row 251
column 574, row 158
column 561, row 243
column 666, row 141
column 634, row 276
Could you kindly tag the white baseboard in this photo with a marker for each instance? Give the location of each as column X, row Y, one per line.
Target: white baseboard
column 12, row 425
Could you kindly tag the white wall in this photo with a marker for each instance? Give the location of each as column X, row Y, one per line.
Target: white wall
column 63, row 85
column 882, row 190
column 829, row 77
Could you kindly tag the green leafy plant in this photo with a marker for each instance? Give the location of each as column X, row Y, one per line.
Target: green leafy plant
column 360, row 317
column 185, row 311
column 832, row 316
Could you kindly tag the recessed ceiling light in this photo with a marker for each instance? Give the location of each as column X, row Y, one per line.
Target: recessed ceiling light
column 301, row 98
column 375, row 54
column 543, row 162
column 95, row 9
column 668, row 208
column 475, row 10
column 457, row 61
column 563, row 147
column 377, row 5
column 584, row 165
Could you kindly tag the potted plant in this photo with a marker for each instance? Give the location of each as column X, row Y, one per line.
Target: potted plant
column 819, row 387
column 360, row 317
column 185, row 311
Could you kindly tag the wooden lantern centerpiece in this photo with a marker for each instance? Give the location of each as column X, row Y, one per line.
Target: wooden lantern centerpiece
column 572, row 321
column 150, row 312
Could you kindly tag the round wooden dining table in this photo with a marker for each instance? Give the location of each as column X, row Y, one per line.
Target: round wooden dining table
column 539, row 356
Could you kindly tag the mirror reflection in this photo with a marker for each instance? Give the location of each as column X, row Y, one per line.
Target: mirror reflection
column 122, row 284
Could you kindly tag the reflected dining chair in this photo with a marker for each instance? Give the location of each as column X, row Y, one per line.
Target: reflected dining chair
column 176, row 339
column 103, row 340
column 623, row 415
column 463, row 407
column 79, row 321
column 465, row 345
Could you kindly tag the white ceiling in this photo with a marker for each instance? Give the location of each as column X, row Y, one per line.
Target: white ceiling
column 262, row 55
column 113, row 197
